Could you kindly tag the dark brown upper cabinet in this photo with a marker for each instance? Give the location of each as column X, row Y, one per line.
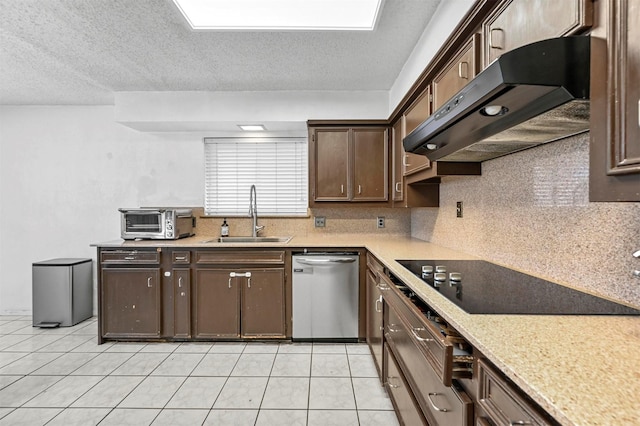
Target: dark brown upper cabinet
column 520, row 22
column 457, row 73
column 348, row 164
column 614, row 173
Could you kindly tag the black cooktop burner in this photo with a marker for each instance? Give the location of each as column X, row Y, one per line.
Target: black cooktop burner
column 480, row 287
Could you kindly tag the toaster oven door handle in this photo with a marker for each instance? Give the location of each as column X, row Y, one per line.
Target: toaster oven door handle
column 139, row 211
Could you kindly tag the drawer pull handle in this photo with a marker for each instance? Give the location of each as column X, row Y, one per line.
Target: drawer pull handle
column 249, row 282
column 414, row 331
column 378, row 300
column 519, row 422
column 229, row 282
column 492, row 43
column 129, row 258
column 382, row 287
column 463, row 70
column 392, row 329
column 181, row 257
column 435, row 407
column 391, row 385
column 149, row 282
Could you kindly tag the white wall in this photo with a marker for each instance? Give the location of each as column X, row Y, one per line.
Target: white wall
column 64, row 171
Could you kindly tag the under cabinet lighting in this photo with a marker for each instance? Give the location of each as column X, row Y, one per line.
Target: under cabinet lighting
column 252, row 127
column 279, row 15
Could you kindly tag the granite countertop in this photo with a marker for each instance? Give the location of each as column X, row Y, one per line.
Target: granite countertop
column 584, row 370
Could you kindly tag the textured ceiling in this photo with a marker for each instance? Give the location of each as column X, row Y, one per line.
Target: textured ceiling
column 81, row 51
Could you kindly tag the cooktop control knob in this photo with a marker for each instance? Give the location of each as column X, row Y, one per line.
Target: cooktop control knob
column 441, row 268
column 455, row 278
column 439, row 278
column 427, row 271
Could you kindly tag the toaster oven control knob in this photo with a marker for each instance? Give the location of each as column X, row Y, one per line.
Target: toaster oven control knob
column 439, row 278
column 441, row 268
column 455, row 278
column 427, row 271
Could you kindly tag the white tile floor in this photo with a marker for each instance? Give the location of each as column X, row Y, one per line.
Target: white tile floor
column 62, row 377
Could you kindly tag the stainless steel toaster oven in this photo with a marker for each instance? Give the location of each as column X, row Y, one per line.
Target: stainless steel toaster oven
column 156, row 223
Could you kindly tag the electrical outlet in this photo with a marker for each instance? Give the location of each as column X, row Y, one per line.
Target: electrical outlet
column 459, row 209
column 320, row 221
column 380, row 221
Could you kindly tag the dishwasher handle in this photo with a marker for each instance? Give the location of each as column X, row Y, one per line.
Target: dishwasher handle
column 324, row 261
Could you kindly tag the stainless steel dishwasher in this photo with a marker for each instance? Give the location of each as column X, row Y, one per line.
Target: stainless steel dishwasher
column 325, row 296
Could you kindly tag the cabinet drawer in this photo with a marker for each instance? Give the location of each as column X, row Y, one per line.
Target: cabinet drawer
column 373, row 264
column 442, row 405
column 503, row 403
column 437, row 350
column 181, row 257
column 129, row 256
column 406, row 407
column 241, row 257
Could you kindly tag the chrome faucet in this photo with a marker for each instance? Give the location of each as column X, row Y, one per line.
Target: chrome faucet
column 253, row 211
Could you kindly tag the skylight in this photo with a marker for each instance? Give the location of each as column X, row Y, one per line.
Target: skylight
column 281, row 15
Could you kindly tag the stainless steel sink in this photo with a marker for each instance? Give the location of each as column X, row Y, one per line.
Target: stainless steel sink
column 249, row 240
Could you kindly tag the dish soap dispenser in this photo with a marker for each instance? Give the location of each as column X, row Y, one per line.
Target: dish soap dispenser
column 224, row 229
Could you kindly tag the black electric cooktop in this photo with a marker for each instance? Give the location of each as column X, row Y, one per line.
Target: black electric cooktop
column 480, row 287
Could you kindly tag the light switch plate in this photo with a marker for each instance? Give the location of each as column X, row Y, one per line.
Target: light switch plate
column 320, row 221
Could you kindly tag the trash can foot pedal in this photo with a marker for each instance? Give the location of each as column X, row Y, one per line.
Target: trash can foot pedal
column 46, row 324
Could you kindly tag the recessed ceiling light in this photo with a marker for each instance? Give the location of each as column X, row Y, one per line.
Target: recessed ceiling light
column 252, row 127
column 274, row 15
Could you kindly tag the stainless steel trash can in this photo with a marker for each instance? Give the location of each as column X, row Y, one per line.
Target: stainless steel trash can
column 62, row 292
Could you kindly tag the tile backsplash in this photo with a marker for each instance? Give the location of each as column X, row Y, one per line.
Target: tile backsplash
column 531, row 211
column 338, row 221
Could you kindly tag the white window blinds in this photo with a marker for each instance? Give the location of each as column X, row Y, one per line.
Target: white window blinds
column 276, row 166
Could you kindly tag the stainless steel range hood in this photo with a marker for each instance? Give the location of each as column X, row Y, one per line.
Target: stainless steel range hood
column 532, row 95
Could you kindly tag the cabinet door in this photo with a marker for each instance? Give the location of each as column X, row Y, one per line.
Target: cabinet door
column 374, row 318
column 331, row 152
column 217, row 304
column 522, row 22
column 397, row 160
column 263, row 303
column 457, row 73
column 419, row 111
column 130, row 302
column 370, row 164
column 614, row 173
column 182, row 302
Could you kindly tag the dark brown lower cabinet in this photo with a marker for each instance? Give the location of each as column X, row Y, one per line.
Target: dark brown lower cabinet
column 182, row 303
column 217, row 304
column 441, row 405
column 405, row 405
column 502, row 403
column 130, row 302
column 239, row 302
column 263, row 304
column 374, row 318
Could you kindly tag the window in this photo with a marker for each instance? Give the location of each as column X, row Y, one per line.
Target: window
column 276, row 166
